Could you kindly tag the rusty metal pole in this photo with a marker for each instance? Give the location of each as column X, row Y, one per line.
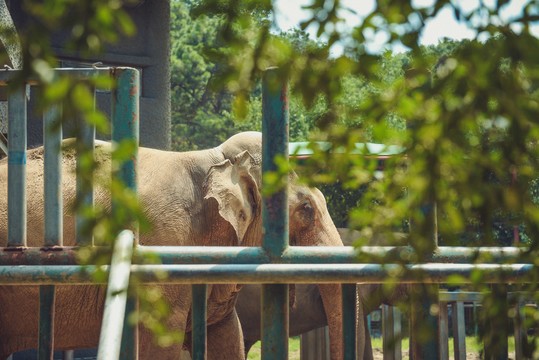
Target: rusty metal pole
column 275, row 118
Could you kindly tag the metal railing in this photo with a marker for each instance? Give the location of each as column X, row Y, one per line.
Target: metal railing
column 274, row 264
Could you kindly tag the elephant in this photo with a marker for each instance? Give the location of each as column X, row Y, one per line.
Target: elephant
column 205, row 198
column 308, row 312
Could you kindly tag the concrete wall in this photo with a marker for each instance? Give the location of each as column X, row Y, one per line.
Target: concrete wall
column 148, row 50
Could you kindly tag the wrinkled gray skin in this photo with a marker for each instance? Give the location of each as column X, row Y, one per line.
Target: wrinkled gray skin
column 308, row 311
column 208, row 197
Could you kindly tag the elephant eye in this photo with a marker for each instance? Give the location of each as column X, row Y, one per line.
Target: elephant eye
column 242, row 215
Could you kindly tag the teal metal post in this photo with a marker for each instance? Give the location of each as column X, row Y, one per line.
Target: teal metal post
column 47, row 300
column 85, row 189
column 275, row 118
column 17, row 168
column 53, row 224
column 116, row 298
column 53, row 178
column 125, row 118
column 349, row 320
column 199, row 295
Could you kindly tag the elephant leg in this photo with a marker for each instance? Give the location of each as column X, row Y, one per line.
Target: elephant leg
column 179, row 299
column 332, row 299
column 225, row 339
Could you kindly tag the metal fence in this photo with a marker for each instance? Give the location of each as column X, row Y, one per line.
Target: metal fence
column 275, row 264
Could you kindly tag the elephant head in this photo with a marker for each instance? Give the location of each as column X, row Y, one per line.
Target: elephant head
column 235, row 185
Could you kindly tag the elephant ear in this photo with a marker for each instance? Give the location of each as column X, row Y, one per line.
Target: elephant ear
column 233, row 185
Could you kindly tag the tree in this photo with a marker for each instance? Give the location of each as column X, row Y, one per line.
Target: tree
column 470, row 114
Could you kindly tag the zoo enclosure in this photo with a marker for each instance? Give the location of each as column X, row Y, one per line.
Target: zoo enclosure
column 274, row 264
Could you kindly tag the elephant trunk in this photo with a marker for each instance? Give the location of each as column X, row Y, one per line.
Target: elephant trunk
column 332, row 299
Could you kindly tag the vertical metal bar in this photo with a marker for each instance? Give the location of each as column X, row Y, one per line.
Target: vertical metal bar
column 519, row 330
column 314, row 344
column 424, row 320
column 349, row 320
column 125, row 125
column 275, row 119
column 444, row 331
column 46, row 322
column 459, row 330
column 391, row 329
column 85, row 189
column 274, row 321
column 199, row 295
column 125, row 117
column 53, row 178
column 424, row 324
column 116, row 298
column 53, row 225
column 495, row 342
column 17, row 168
column 274, row 213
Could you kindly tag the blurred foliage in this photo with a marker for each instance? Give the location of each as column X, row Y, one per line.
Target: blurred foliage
column 466, row 115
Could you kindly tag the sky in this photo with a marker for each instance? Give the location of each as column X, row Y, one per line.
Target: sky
column 444, row 25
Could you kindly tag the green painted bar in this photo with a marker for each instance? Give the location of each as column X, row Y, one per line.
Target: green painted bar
column 274, row 321
column 199, row 311
column 349, row 320
column 116, row 298
column 125, row 114
column 17, row 168
column 269, row 273
column 328, row 273
column 46, row 322
column 125, row 119
column 319, row 254
column 275, row 118
column 85, row 190
column 274, row 143
column 424, row 324
column 251, row 255
column 53, row 178
column 53, row 219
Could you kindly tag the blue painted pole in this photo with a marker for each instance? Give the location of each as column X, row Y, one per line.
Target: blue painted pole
column 53, row 217
column 17, row 168
column 199, row 295
column 275, row 118
column 125, row 118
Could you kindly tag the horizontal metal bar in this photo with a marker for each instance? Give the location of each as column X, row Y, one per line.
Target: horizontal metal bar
column 256, row 255
column 40, row 256
column 452, row 296
column 270, row 273
column 79, row 73
column 322, row 254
